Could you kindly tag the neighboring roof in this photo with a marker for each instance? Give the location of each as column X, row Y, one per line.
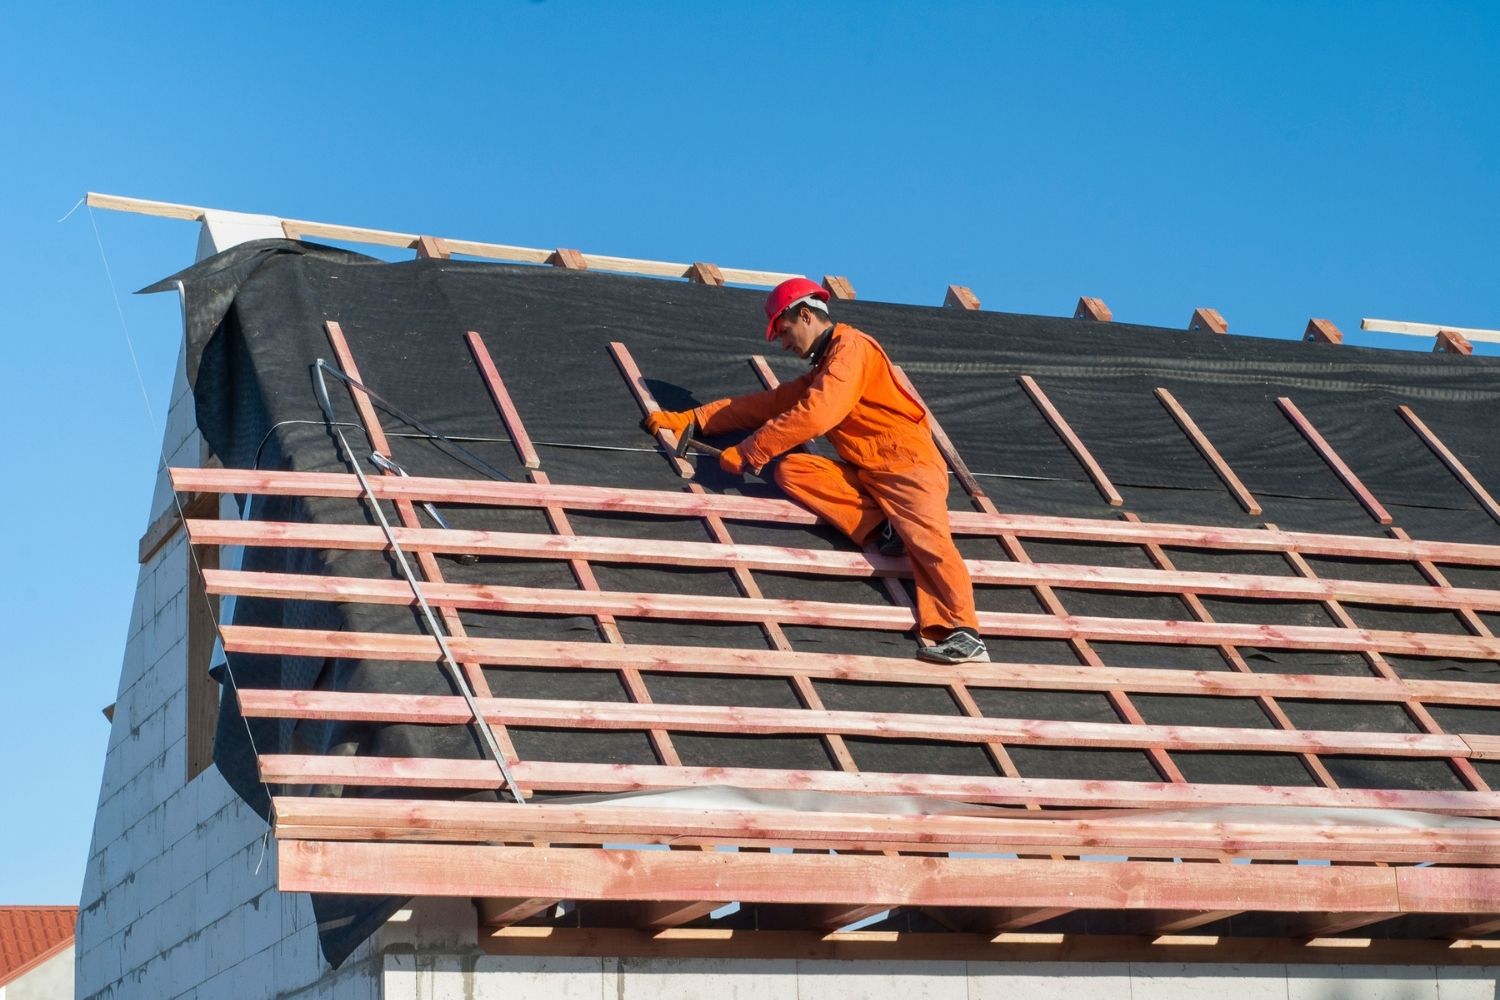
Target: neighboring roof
column 29, row 935
column 1306, row 560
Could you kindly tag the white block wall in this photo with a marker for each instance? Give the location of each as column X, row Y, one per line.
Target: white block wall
column 179, row 896
column 429, row 975
column 52, row 980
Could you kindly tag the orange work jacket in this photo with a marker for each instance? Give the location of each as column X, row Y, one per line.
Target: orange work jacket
column 851, row 396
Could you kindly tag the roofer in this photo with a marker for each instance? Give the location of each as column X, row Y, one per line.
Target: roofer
column 891, row 489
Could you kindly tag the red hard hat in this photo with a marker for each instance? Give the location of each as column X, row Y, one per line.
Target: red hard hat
column 785, row 294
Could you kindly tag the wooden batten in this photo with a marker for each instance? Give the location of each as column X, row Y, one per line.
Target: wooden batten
column 1094, row 309
column 432, row 248
column 703, row 273
column 1322, row 331
column 636, row 382
column 960, row 297
column 1452, row 342
column 838, row 287
column 671, row 504
column 1206, row 320
column 569, row 260
column 192, row 506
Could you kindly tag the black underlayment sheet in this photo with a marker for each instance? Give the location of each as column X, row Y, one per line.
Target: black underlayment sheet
column 255, row 326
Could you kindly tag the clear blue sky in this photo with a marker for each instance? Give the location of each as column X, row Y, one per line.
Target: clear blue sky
column 1273, row 160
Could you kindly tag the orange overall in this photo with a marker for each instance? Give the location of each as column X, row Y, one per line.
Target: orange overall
column 891, row 468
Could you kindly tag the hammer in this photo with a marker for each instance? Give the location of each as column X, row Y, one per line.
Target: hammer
column 688, row 438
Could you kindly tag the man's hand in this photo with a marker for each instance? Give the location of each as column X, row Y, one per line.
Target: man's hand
column 668, row 420
column 731, row 461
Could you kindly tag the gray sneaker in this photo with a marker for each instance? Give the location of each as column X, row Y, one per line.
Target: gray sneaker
column 961, row 646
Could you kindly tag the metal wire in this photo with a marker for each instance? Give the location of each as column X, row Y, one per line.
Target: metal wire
column 456, row 675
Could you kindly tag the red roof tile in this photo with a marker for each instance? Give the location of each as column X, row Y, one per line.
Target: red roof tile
column 30, row 934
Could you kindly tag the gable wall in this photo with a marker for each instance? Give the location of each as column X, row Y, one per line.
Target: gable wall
column 179, row 893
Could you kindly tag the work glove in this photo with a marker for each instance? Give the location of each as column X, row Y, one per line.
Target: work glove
column 731, row 461
column 668, row 420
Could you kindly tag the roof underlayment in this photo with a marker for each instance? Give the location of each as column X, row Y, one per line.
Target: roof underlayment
column 1239, row 594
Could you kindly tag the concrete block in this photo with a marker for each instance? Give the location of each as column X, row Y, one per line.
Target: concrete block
column 262, row 922
column 1049, row 980
column 179, row 815
column 1172, row 981
column 140, row 941
column 435, row 925
column 179, row 918
column 226, row 942
column 906, row 980
column 144, row 602
column 1367, row 982
column 1468, row 983
column 693, row 979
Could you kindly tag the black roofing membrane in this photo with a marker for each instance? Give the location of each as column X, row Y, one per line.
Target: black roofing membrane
column 255, row 327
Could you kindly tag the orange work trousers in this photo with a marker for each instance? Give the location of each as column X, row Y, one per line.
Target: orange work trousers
column 913, row 495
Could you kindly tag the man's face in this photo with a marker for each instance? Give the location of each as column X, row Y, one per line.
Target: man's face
column 799, row 330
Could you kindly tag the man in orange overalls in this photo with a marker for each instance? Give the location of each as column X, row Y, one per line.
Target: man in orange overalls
column 892, row 487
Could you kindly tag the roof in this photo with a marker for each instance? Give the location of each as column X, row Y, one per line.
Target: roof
column 29, row 935
column 1238, row 592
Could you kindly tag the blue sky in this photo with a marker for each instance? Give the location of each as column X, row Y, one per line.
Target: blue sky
column 1273, row 160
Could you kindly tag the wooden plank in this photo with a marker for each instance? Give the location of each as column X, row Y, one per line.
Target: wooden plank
column 1322, row 331
column 1206, row 320
column 1094, row 309
column 729, row 555
column 431, row 248
column 852, row 667
column 1327, row 454
column 583, row 873
column 1451, row 461
column 888, row 946
column 960, row 297
column 496, row 913
column 143, row 206
column 201, row 691
column 613, row 779
column 1429, row 330
column 1448, row 890
column 704, row 273
column 1451, row 342
column 568, row 260
column 662, row 502
column 501, row 397
column 448, row 710
column 1002, row 831
column 195, row 505
column 538, row 600
column 1075, row 444
column 647, row 402
column 838, row 287
column 296, row 228
column 1205, row 447
column 647, row 915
